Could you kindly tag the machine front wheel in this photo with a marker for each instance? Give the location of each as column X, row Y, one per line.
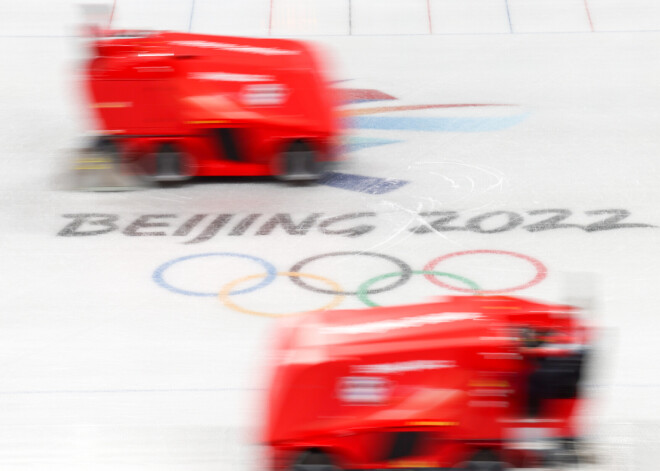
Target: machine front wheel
column 167, row 164
column 107, row 147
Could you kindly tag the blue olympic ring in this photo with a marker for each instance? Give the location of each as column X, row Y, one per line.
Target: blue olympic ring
column 158, row 276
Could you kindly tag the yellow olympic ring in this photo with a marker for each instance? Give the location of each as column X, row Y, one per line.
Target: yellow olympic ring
column 228, row 288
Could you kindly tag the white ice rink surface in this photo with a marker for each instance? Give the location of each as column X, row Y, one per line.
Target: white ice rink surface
column 104, row 364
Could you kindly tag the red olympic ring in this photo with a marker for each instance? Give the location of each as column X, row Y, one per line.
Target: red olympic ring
column 541, row 271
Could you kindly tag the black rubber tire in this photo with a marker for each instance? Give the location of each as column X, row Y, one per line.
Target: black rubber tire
column 313, row 460
column 166, row 166
column 485, row 466
column 299, row 163
column 107, row 146
column 168, row 161
column 566, row 455
column 485, row 460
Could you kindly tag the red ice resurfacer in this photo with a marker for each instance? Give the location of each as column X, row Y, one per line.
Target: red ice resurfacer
column 468, row 382
column 179, row 105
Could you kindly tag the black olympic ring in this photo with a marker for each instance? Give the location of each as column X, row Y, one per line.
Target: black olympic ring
column 404, row 268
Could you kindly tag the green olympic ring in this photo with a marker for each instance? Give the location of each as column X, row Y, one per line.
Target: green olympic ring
column 364, row 287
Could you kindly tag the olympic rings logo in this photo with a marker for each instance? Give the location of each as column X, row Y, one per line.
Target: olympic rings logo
column 366, row 289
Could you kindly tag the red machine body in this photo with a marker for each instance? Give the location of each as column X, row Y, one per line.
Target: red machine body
column 182, row 104
column 474, row 379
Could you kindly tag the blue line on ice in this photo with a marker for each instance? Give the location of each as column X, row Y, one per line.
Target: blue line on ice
column 358, row 143
column 437, row 124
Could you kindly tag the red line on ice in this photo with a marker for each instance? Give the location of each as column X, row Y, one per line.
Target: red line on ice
column 112, row 14
column 270, row 19
column 428, row 12
column 586, row 7
column 358, row 94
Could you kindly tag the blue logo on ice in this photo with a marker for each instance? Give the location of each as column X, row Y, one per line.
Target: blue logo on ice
column 365, row 118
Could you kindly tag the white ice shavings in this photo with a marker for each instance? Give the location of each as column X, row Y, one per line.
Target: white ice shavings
column 495, row 175
column 406, row 322
column 460, row 183
column 401, row 230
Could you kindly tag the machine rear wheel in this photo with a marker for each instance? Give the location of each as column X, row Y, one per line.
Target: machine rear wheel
column 313, row 460
column 484, row 466
column 484, row 460
column 566, row 454
column 299, row 163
